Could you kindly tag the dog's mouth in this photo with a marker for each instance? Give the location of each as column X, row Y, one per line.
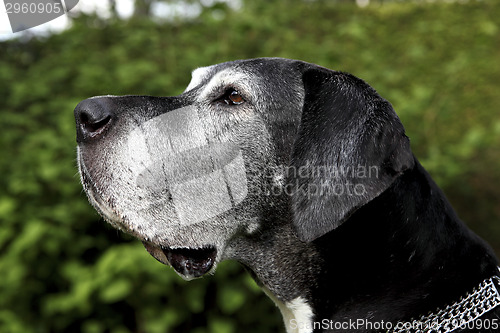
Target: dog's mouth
column 187, row 262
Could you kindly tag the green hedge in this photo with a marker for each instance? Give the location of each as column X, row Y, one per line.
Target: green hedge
column 64, row 270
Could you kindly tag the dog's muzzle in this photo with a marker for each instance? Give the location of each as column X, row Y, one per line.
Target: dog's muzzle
column 162, row 176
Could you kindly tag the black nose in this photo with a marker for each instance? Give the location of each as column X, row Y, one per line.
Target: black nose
column 93, row 117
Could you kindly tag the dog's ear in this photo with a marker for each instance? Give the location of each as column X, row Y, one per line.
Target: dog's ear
column 350, row 147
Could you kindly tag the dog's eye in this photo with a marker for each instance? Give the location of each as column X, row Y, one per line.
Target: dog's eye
column 232, row 97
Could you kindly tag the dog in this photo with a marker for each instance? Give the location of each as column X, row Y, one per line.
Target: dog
column 305, row 176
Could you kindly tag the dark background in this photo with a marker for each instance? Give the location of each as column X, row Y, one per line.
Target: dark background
column 62, row 269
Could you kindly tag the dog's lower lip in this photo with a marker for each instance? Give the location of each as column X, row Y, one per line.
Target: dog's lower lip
column 191, row 263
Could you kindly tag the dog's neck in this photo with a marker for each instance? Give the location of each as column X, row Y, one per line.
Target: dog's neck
column 397, row 244
column 286, row 269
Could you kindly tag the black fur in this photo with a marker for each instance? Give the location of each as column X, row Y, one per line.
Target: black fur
column 400, row 251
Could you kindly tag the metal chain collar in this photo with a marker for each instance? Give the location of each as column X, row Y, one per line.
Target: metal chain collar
column 483, row 298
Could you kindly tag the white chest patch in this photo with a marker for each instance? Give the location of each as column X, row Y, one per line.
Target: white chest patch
column 297, row 314
column 302, row 316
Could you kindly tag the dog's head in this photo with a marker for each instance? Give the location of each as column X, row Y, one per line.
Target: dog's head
column 247, row 141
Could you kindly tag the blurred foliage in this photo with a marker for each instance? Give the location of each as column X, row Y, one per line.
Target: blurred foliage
column 64, row 270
